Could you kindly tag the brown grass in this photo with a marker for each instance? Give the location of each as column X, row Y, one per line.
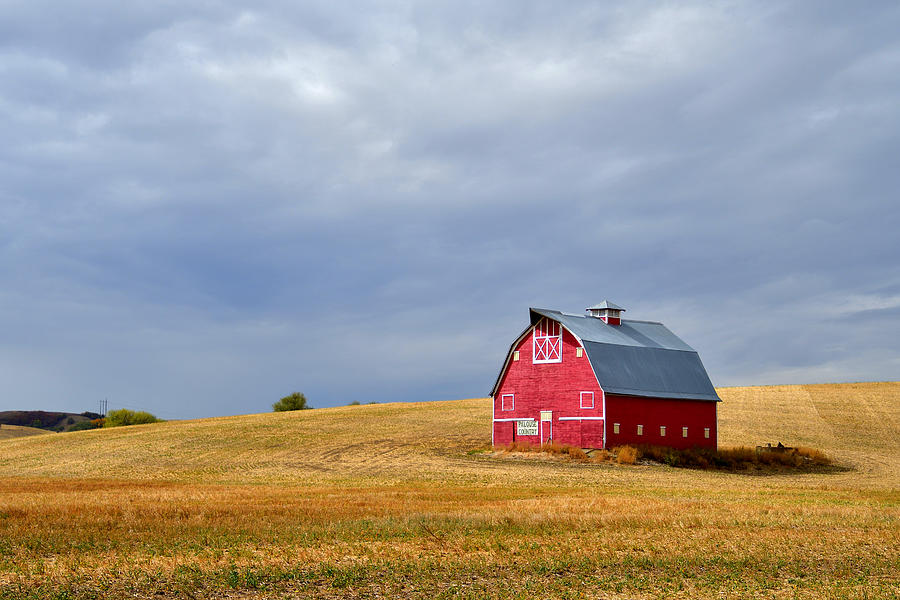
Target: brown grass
column 385, row 501
column 740, row 458
column 16, row 431
column 816, row 456
column 553, row 448
column 601, row 456
column 855, row 423
column 626, row 455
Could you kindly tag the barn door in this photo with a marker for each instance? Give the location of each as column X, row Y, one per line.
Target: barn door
column 592, row 434
column 546, row 426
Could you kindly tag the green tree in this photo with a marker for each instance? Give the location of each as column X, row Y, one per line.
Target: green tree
column 83, row 425
column 295, row 401
column 123, row 416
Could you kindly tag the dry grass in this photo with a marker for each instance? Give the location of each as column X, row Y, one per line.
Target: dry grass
column 813, row 454
column 376, row 443
column 626, row 455
column 16, row 431
column 742, row 458
column 858, row 424
column 552, row 448
column 385, row 500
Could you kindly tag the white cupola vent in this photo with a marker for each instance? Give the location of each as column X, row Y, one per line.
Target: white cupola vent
column 607, row 311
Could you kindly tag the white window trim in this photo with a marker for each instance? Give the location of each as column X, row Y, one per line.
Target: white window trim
column 706, row 432
column 579, row 352
column 515, row 355
column 640, row 430
column 502, row 404
column 616, row 428
column 581, row 418
column 662, row 431
column 546, row 338
column 684, row 432
column 583, row 396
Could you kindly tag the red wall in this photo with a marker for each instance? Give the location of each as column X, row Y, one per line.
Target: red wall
column 629, row 411
column 551, row 386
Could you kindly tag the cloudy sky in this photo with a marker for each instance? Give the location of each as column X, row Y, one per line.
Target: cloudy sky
column 204, row 208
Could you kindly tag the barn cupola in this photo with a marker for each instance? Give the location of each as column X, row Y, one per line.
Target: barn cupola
column 607, row 311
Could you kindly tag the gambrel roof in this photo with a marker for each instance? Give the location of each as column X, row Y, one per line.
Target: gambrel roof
column 636, row 358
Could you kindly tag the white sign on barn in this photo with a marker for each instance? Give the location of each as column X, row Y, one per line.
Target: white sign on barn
column 527, row 427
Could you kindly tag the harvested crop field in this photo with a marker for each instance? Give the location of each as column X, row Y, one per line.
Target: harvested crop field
column 15, row 431
column 393, row 501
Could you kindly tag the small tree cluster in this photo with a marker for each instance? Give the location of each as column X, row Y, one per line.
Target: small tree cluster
column 295, row 401
column 85, row 425
column 123, row 417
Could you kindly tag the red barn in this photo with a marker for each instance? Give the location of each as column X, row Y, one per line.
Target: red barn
column 599, row 381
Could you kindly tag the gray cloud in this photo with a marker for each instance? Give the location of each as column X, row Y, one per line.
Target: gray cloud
column 204, row 207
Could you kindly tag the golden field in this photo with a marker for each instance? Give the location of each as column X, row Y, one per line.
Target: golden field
column 14, row 431
column 394, row 500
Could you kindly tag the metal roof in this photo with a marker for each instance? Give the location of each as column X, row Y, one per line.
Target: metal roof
column 636, row 358
column 645, row 334
column 605, row 304
column 655, row 372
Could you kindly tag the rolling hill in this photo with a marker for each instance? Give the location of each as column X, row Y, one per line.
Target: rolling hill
column 395, row 501
column 857, row 424
column 16, row 431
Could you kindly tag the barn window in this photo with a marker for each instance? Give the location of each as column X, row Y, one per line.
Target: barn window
column 706, row 432
column 684, row 432
column 547, row 342
column 579, row 352
column 507, row 402
column 516, row 355
column 662, row 431
column 587, row 399
column 615, row 428
column 640, row 430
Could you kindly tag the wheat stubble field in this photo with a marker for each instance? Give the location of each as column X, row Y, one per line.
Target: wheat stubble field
column 391, row 501
column 14, row 431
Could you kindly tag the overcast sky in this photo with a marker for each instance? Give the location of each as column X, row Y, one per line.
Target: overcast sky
column 204, row 208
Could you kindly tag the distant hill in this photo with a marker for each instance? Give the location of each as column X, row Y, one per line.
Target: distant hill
column 15, row 431
column 857, row 424
column 41, row 419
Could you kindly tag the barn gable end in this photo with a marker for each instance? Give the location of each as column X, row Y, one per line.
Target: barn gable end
column 525, row 388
